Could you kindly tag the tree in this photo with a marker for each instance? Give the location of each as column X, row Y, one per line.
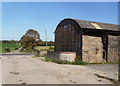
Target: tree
column 33, row 33
column 30, row 39
column 50, row 43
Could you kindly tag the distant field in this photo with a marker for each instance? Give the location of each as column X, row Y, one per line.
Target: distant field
column 12, row 46
column 42, row 48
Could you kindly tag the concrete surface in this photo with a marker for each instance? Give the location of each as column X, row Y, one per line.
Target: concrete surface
column 18, row 69
column 108, row 70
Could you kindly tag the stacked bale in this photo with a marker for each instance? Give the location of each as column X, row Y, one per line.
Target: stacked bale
column 92, row 49
column 113, row 48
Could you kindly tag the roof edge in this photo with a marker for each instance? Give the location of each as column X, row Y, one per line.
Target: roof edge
column 89, row 21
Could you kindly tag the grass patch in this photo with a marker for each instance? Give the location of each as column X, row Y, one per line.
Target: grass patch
column 28, row 51
column 44, row 55
column 37, row 48
column 40, row 56
column 76, row 62
column 43, row 48
column 36, row 55
column 11, row 46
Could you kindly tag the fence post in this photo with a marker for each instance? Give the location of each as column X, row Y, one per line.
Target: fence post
column 119, row 60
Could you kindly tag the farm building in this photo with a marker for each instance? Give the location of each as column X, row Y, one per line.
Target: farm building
column 92, row 41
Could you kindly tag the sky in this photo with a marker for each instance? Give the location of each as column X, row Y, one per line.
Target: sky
column 18, row 17
column 60, row 0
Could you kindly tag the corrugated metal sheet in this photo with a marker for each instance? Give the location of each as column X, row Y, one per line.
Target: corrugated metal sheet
column 89, row 25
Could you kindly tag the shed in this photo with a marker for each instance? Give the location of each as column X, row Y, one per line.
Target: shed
column 92, row 41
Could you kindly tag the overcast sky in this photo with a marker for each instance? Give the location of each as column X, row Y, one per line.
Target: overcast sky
column 18, row 17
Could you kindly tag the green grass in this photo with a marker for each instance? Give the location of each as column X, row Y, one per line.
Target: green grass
column 11, row 46
column 76, row 62
column 42, row 48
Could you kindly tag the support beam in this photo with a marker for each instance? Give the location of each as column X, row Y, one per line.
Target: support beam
column 81, row 46
column 106, row 48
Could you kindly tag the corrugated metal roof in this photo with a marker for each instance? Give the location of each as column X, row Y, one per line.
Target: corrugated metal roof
column 96, row 25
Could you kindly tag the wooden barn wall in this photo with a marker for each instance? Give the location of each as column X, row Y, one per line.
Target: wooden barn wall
column 92, row 49
column 113, row 48
column 68, row 39
column 57, row 40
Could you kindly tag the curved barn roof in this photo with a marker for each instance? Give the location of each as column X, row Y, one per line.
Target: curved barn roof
column 95, row 25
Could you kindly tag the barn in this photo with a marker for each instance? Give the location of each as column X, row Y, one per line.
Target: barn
column 92, row 41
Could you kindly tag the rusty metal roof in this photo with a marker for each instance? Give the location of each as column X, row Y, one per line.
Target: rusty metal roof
column 96, row 25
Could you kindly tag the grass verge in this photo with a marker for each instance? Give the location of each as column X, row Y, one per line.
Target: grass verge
column 11, row 46
column 43, row 48
column 76, row 62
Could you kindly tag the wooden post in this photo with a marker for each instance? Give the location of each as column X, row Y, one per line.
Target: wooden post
column 81, row 46
column 119, row 58
column 107, row 48
column 46, row 38
column 55, row 41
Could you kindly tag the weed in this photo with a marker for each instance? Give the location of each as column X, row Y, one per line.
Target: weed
column 65, row 62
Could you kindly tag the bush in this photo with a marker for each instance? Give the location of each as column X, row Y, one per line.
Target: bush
column 27, row 50
column 16, row 48
column 48, row 59
column 7, row 49
column 79, row 62
column 51, row 48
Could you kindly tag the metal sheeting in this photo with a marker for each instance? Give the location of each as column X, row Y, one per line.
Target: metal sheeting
column 89, row 25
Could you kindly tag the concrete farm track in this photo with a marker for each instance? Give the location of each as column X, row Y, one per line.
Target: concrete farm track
column 18, row 69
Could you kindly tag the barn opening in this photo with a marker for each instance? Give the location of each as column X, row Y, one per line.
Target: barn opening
column 94, row 46
column 92, row 41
